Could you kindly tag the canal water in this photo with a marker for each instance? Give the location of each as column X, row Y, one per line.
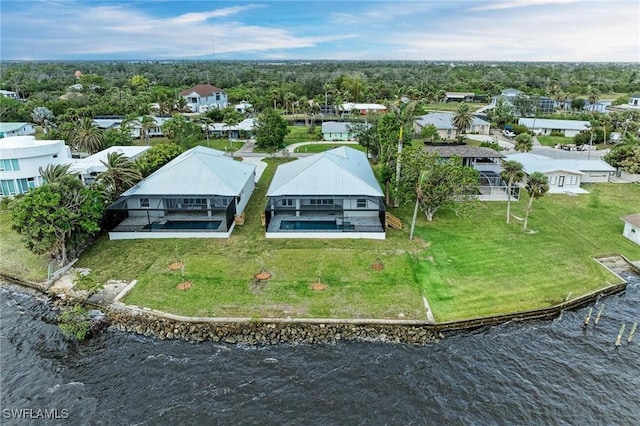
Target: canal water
column 542, row 372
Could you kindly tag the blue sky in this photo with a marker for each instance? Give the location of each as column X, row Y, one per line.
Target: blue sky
column 494, row 30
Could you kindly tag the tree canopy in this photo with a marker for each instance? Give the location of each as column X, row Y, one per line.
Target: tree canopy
column 270, row 130
column 58, row 219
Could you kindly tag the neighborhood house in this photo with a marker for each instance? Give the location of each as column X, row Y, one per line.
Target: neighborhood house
column 443, row 122
column 333, row 194
column 90, row 167
column 198, row 194
column 21, row 158
column 16, row 129
column 336, row 131
column 544, row 126
column 203, row 97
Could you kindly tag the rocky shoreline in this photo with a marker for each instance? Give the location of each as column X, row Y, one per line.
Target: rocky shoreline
column 270, row 333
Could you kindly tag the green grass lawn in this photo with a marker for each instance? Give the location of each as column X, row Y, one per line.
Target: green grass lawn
column 481, row 266
column 553, row 140
column 452, row 106
column 466, row 267
column 321, row 147
column 15, row 259
column 301, row 134
column 220, row 144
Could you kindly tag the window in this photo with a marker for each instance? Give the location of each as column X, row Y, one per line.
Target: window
column 8, row 187
column 24, row 185
column 321, row 202
column 288, row 202
column 553, row 180
column 9, row 165
column 573, row 180
column 144, row 203
column 361, row 203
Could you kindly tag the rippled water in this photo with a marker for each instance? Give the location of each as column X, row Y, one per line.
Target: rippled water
column 547, row 372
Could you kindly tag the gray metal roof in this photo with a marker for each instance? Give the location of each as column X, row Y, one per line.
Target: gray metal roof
column 198, row 171
column 539, row 163
column 463, row 151
column 335, row 127
column 339, row 171
column 545, row 123
column 444, row 120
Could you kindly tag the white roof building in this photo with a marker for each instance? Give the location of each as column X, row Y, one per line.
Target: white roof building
column 89, row 167
column 544, row 126
column 21, row 158
column 16, row 129
column 339, row 171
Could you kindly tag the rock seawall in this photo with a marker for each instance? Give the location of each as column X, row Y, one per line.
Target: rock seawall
column 264, row 332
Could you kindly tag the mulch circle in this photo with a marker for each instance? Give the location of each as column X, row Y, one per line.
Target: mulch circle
column 263, row 275
column 377, row 266
column 318, row 286
column 185, row 285
column 175, row 266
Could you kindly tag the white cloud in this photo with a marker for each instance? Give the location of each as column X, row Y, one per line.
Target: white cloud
column 521, row 3
column 218, row 13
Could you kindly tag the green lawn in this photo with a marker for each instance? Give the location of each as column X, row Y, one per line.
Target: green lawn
column 482, row 266
column 220, row 144
column 452, row 106
column 321, row 147
column 466, row 267
column 301, row 134
column 554, row 140
column 15, row 259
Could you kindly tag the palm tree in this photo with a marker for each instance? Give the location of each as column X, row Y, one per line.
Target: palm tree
column 146, row 123
column 524, row 142
column 537, row 186
column 121, row 174
column 512, row 171
column 43, row 117
column 54, row 172
column 231, row 119
column 462, row 119
column 87, row 136
column 406, row 115
column 594, row 97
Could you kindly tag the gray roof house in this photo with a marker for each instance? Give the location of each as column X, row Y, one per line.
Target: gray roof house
column 196, row 195
column 333, row 194
column 336, row 131
column 488, row 163
column 544, row 126
column 90, row 167
column 16, row 129
column 443, row 122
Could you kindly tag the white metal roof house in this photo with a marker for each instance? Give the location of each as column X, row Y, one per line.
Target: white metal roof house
column 90, row 167
column 632, row 227
column 21, row 158
column 16, row 129
column 202, row 97
column 634, row 101
column 115, row 122
column 544, row 126
column 564, row 175
column 333, row 194
column 336, row 131
column 443, row 121
column 362, row 109
column 9, row 94
column 196, row 195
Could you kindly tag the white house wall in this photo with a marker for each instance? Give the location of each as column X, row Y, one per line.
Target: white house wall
column 571, row 182
column 631, row 232
column 331, row 235
column 169, row 234
column 247, row 191
column 594, row 177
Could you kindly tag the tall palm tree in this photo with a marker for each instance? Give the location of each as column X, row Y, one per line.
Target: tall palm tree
column 146, row 123
column 462, row 118
column 537, row 186
column 406, row 116
column 87, row 136
column 512, row 171
column 230, row 119
column 54, row 172
column 43, row 117
column 524, row 142
column 594, row 97
column 121, row 174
